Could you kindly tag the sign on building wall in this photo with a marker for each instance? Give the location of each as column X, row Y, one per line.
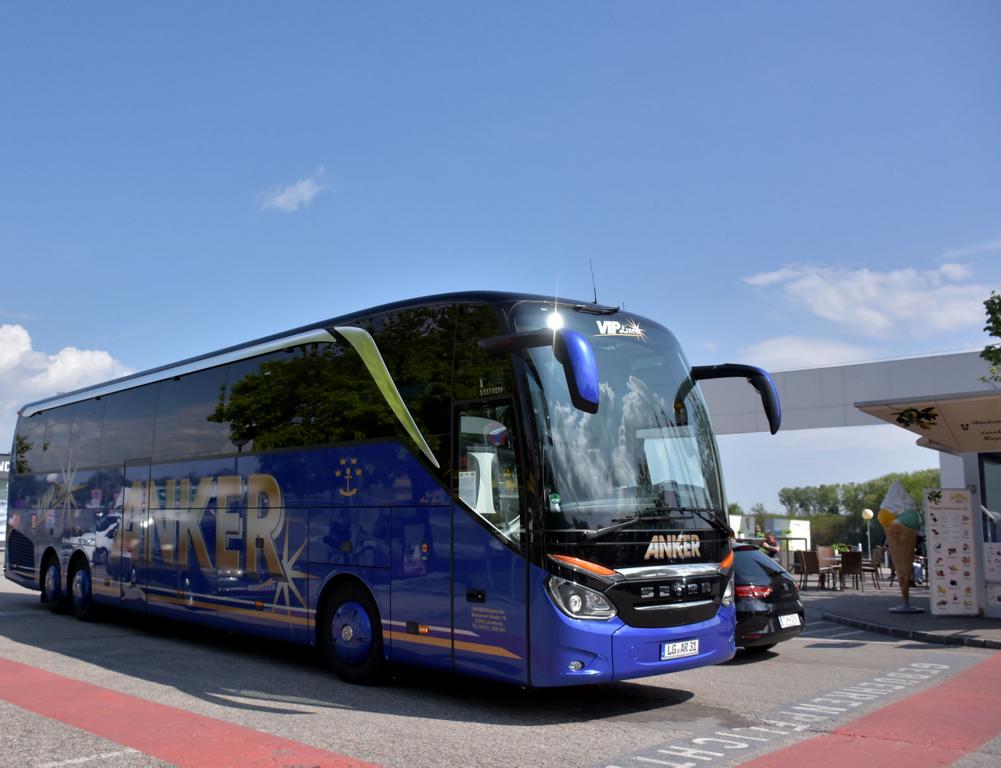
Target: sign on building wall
column 992, row 572
column 951, row 551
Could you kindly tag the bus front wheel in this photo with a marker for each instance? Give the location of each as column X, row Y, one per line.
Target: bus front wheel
column 351, row 635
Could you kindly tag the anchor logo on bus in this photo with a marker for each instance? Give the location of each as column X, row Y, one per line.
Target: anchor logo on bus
column 349, row 468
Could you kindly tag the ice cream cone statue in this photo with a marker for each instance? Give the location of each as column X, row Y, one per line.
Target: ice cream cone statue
column 901, row 521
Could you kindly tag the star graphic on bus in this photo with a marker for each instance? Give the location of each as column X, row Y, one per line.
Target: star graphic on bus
column 59, row 497
column 285, row 587
column 633, row 329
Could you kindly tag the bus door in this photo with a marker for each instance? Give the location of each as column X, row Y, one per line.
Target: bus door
column 490, row 614
column 129, row 560
column 420, row 628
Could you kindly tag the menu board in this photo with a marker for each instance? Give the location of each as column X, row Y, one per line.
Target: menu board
column 949, row 540
column 992, row 562
column 993, row 598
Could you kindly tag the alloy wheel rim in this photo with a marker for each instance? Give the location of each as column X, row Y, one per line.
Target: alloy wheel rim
column 351, row 633
column 52, row 594
column 81, row 589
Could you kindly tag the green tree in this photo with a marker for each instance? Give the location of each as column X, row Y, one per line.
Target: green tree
column 828, row 529
column 835, row 511
column 826, row 500
column 22, row 447
column 992, row 352
column 733, row 508
column 795, row 501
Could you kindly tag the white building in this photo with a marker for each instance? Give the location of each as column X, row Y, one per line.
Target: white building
column 942, row 399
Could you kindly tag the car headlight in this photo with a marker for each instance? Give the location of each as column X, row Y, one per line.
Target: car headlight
column 579, row 602
column 728, row 594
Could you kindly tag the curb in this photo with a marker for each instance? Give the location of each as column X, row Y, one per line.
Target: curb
column 913, row 634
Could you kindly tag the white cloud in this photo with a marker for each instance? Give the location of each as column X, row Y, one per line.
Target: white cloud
column 919, row 303
column 988, row 246
column 27, row 374
column 786, row 352
column 770, row 278
column 294, row 196
column 955, row 271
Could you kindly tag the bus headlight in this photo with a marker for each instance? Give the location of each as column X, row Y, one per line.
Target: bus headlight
column 579, row 602
column 728, row 594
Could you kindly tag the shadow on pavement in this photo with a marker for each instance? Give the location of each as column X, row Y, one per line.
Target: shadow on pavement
column 249, row 673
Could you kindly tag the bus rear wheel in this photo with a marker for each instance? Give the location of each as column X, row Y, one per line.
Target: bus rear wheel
column 52, row 587
column 81, row 595
column 350, row 634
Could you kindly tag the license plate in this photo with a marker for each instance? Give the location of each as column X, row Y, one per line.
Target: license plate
column 679, row 650
column 790, row 620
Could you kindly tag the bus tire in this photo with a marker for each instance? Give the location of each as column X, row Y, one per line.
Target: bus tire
column 52, row 586
column 350, row 635
column 81, row 592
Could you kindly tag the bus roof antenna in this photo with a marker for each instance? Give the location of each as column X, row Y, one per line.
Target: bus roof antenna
column 594, row 286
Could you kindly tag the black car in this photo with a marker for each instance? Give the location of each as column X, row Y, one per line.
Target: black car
column 766, row 598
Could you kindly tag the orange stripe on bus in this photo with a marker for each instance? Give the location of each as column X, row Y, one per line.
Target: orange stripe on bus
column 460, row 645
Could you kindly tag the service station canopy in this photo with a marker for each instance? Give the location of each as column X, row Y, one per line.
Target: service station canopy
column 969, row 423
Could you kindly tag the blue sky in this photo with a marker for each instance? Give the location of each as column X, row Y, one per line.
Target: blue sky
column 780, row 183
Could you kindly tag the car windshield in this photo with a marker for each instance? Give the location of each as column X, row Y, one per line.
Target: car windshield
column 642, row 453
column 752, row 566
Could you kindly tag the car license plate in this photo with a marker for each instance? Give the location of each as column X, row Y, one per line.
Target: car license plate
column 790, row 620
column 679, row 650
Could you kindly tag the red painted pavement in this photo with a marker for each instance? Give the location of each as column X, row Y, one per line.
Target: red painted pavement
column 167, row 733
column 933, row 728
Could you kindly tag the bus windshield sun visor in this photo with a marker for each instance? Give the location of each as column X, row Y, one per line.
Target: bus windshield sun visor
column 756, row 377
column 573, row 351
column 363, row 343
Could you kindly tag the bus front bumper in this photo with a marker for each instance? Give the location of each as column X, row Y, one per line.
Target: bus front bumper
column 574, row 652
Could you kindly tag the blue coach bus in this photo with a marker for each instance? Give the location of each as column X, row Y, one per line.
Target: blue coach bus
column 494, row 484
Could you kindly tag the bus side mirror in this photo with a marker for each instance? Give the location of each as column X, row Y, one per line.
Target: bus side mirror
column 573, row 351
column 756, row 377
column 576, row 355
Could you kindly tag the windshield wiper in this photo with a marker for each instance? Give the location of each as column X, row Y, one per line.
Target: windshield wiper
column 624, row 522
column 714, row 522
column 617, row 524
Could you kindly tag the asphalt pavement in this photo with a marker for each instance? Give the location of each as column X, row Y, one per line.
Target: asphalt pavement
column 869, row 609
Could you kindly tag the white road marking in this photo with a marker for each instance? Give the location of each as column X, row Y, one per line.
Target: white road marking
column 847, row 634
column 82, row 760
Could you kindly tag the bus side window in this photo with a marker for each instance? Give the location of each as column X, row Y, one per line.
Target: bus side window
column 184, row 423
column 85, row 440
column 56, row 446
column 488, row 466
column 127, row 431
column 29, row 444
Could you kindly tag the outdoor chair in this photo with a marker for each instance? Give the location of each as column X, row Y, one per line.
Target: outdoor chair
column 874, row 565
column 827, row 556
column 810, row 565
column 851, row 565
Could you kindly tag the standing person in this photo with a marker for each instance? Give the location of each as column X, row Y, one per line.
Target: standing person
column 770, row 546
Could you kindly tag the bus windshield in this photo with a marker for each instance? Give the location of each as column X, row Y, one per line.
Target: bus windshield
column 641, row 453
